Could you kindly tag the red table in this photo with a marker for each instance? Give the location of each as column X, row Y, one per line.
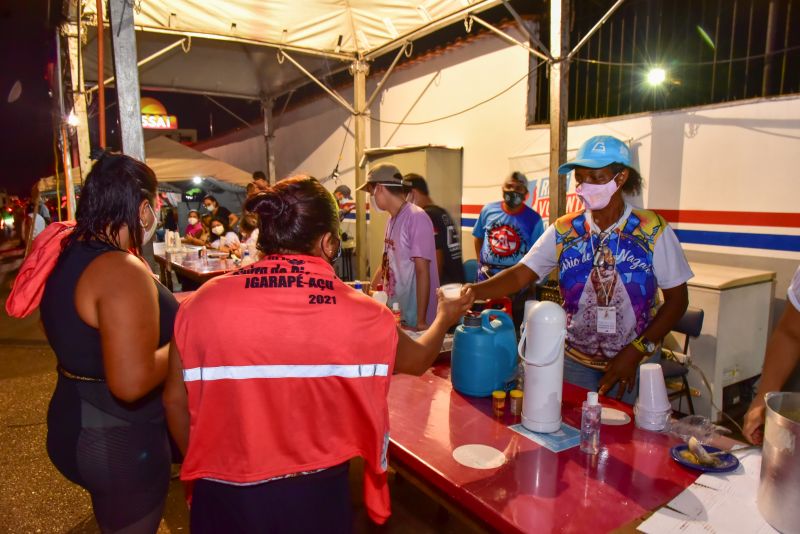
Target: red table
column 536, row 490
column 192, row 267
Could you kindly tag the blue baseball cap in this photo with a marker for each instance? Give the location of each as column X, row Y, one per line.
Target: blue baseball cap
column 598, row 152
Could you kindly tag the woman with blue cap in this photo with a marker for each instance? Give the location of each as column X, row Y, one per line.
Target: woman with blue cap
column 612, row 259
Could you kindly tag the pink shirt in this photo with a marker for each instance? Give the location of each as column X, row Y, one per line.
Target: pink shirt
column 409, row 235
column 194, row 230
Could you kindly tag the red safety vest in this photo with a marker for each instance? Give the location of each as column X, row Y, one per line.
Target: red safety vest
column 287, row 371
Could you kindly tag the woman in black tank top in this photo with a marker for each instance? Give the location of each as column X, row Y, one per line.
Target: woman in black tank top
column 109, row 322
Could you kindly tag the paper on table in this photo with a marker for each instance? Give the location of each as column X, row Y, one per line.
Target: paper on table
column 564, row 438
column 715, row 503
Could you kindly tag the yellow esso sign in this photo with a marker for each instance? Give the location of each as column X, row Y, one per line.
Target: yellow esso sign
column 155, row 117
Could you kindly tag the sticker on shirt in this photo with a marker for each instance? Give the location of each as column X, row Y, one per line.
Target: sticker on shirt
column 504, row 241
column 606, row 320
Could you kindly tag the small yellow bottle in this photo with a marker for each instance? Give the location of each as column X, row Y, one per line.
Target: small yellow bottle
column 516, row 402
column 499, row 403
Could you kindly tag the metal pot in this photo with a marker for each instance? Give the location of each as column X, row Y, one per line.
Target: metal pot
column 779, row 491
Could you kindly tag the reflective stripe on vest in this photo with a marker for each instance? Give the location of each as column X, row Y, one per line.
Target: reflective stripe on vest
column 243, row 372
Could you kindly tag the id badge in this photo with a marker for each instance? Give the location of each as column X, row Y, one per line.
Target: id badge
column 606, row 319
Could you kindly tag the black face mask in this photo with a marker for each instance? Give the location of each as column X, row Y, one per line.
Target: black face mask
column 513, row 199
column 336, row 256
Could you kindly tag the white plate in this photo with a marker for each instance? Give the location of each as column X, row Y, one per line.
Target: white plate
column 614, row 417
column 479, row 456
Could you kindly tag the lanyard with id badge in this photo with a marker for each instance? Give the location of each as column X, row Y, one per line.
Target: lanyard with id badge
column 606, row 315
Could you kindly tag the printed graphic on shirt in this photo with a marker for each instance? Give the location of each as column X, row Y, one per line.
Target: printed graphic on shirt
column 607, row 271
column 506, row 237
column 389, row 277
column 504, row 241
column 288, row 273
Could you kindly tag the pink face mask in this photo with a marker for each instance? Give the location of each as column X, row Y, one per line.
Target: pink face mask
column 597, row 197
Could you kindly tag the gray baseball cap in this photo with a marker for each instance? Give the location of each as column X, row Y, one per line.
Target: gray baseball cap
column 384, row 174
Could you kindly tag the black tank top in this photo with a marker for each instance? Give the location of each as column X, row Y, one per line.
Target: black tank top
column 77, row 345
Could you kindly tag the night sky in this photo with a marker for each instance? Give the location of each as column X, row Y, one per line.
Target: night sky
column 26, row 149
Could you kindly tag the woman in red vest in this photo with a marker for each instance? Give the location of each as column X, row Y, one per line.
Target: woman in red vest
column 269, row 418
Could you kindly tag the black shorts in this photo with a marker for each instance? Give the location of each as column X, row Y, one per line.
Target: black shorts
column 319, row 502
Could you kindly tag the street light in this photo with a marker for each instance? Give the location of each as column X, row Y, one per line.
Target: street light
column 656, row 76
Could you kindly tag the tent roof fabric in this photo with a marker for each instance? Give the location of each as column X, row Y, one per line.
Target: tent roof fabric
column 174, row 162
column 319, row 29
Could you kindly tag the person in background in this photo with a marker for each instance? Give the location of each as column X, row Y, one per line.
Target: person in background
column 109, row 322
column 446, row 238
column 612, row 259
column 44, row 211
column 248, row 234
column 222, row 238
column 782, row 359
column 35, row 220
column 217, row 211
column 408, row 270
column 170, row 216
column 193, row 233
column 344, row 198
column 288, row 379
column 504, row 232
column 260, row 181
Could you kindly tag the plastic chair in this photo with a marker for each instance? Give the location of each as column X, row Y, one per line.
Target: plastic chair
column 470, row 270
column 676, row 367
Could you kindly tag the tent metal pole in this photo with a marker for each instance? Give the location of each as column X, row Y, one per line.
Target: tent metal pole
column 228, row 111
column 101, row 94
column 524, row 29
column 333, row 94
column 141, row 62
column 267, row 105
column 360, row 71
column 431, row 27
column 388, row 72
column 79, row 100
column 228, row 38
column 69, row 188
column 69, row 182
column 506, row 37
column 559, row 80
column 123, row 39
column 594, row 29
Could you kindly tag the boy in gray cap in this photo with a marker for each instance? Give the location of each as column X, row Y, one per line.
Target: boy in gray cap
column 408, row 269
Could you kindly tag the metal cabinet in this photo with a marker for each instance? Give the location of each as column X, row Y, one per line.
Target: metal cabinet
column 730, row 349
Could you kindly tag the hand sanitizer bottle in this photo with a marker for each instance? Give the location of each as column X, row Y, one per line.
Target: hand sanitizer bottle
column 590, row 424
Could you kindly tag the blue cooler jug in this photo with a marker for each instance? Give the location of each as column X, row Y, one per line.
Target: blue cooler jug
column 484, row 355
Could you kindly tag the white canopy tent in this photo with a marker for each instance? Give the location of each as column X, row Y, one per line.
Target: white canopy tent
column 264, row 49
column 327, row 35
column 173, row 162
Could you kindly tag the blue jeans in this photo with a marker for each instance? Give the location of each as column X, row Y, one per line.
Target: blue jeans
column 586, row 377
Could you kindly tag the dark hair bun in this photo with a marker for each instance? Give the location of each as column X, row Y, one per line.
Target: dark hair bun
column 293, row 214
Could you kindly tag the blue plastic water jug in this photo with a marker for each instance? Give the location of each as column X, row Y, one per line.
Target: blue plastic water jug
column 484, row 355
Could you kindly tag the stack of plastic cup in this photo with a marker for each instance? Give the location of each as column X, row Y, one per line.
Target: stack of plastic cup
column 652, row 408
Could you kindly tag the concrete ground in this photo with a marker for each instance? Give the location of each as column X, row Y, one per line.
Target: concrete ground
column 34, row 497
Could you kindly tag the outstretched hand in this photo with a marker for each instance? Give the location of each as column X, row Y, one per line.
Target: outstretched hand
column 451, row 310
column 621, row 370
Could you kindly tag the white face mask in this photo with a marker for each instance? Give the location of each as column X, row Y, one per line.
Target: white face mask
column 373, row 205
column 596, row 197
column 219, row 230
column 192, row 220
column 148, row 234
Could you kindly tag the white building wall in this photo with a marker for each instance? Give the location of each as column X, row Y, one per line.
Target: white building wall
column 702, row 166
